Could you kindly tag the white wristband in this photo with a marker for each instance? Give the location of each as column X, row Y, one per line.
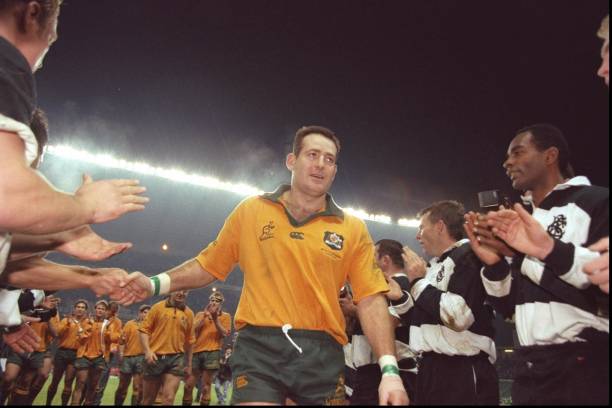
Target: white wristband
column 387, row 360
column 388, row 366
column 160, row 284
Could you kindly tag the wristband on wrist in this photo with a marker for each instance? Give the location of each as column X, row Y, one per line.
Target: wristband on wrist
column 388, row 365
column 160, row 284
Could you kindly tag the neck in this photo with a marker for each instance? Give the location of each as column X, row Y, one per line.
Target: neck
column 393, row 270
column 444, row 245
column 541, row 190
column 301, row 205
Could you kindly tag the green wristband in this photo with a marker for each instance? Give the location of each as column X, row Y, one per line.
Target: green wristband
column 390, row 370
column 156, row 285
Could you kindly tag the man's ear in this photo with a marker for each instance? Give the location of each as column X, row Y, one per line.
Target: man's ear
column 551, row 156
column 31, row 17
column 290, row 161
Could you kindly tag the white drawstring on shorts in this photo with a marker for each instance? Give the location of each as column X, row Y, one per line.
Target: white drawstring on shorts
column 286, row 329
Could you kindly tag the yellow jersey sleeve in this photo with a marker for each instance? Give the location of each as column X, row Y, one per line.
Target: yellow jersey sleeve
column 222, row 254
column 365, row 277
column 148, row 325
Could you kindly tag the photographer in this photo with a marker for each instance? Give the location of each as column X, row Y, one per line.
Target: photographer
column 37, row 362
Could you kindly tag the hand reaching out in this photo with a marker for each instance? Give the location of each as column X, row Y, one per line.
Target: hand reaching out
column 107, row 200
column 83, row 243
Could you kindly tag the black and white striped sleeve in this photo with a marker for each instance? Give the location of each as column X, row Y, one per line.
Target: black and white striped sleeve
column 452, row 308
column 567, row 259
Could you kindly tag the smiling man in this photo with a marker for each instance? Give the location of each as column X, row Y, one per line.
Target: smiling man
column 561, row 319
column 296, row 248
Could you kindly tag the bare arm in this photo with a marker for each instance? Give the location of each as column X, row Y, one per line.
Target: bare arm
column 222, row 331
column 31, row 205
column 149, row 355
column 81, row 243
column 377, row 324
column 52, row 328
column 35, row 272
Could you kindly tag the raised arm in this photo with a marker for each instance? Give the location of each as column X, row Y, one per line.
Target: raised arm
column 31, row 205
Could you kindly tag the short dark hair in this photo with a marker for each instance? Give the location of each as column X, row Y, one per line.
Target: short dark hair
column 309, row 130
column 450, row 212
column 394, row 249
column 40, row 127
column 102, row 302
column 48, row 9
column 545, row 136
column 83, row 301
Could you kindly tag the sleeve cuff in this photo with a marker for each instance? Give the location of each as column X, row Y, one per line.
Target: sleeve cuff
column 497, row 272
column 561, row 258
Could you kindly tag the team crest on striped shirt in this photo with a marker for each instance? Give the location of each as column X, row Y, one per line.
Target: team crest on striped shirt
column 440, row 276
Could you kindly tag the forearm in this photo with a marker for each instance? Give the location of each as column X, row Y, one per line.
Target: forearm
column 222, row 331
column 26, row 243
column 30, row 205
column 39, row 273
column 377, row 325
column 144, row 341
column 189, row 275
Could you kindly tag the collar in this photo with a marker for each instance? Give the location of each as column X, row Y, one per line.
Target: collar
column 331, row 208
column 173, row 306
column 8, row 52
column 573, row 182
column 450, row 249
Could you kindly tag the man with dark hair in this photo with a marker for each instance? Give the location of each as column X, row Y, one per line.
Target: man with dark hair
column 114, row 326
column 388, row 256
column 212, row 325
column 131, row 359
column 94, row 345
column 296, row 248
column 561, row 318
column 451, row 325
column 167, row 339
column 65, row 356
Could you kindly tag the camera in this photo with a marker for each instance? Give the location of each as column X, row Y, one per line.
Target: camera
column 490, row 200
column 42, row 313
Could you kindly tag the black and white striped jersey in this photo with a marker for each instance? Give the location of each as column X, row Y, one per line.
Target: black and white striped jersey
column 450, row 315
column 358, row 352
column 552, row 300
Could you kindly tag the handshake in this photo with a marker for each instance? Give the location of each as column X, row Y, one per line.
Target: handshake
column 118, row 285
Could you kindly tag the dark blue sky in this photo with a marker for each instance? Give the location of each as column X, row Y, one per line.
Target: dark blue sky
column 425, row 94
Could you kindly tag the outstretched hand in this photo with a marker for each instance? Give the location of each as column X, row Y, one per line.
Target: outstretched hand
column 24, row 339
column 107, row 200
column 83, row 243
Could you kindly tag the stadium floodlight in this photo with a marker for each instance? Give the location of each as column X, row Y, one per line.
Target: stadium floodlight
column 411, row 223
column 364, row 215
column 180, row 176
